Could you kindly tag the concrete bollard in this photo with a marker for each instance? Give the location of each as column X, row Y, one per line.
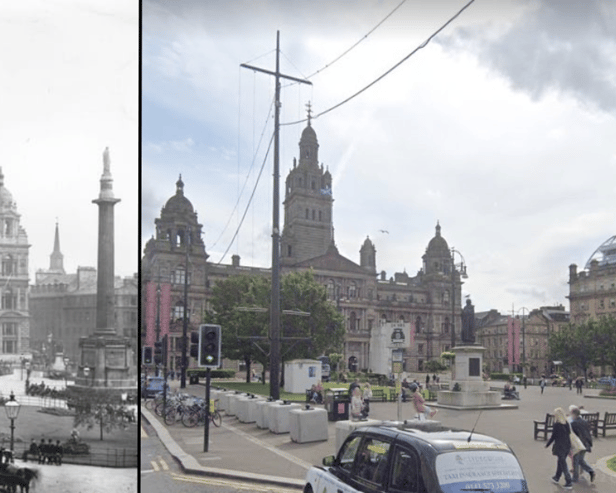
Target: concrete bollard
column 279, row 417
column 250, row 416
column 344, row 429
column 233, row 399
column 308, row 425
column 262, row 413
column 223, row 397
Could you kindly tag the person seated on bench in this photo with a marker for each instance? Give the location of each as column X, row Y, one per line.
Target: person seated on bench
column 316, row 395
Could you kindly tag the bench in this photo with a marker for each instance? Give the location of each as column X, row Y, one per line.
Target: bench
column 378, row 395
column 544, row 426
column 593, row 420
column 607, row 423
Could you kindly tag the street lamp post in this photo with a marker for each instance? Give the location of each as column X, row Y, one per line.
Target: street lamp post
column 462, row 270
column 12, row 411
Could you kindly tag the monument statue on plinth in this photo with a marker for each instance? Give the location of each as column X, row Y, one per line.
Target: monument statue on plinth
column 468, row 323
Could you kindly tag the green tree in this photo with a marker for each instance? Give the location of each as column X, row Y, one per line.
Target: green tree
column 434, row 366
column 240, row 305
column 606, row 341
column 576, row 345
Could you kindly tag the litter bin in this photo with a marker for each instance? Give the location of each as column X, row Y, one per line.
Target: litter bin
column 193, row 379
column 337, row 406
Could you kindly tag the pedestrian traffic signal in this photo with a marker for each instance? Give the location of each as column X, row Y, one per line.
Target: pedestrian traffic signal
column 209, row 346
column 146, row 355
column 194, row 344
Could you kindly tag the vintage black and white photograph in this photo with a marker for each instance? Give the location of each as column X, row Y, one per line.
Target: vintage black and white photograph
column 69, row 126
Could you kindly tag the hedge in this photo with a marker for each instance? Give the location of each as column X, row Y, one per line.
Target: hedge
column 504, row 376
column 200, row 373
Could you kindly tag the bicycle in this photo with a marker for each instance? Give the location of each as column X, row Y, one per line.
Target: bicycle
column 196, row 415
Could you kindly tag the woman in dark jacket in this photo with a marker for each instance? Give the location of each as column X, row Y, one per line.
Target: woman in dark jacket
column 561, row 447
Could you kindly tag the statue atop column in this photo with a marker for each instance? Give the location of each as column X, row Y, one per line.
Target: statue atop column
column 468, row 323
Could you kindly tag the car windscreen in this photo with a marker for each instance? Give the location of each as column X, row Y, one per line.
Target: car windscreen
column 480, row 470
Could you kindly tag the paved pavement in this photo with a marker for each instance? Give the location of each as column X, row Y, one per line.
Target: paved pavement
column 243, row 451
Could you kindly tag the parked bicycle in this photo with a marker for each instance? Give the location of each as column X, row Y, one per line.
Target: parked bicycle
column 195, row 415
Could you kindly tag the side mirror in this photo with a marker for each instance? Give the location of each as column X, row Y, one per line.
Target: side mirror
column 329, row 461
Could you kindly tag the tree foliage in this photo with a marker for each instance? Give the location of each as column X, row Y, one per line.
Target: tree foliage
column 434, row 366
column 240, row 305
column 583, row 345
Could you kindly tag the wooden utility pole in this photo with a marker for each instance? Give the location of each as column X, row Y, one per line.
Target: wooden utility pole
column 275, row 311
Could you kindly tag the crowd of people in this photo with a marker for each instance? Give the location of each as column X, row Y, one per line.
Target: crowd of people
column 45, row 452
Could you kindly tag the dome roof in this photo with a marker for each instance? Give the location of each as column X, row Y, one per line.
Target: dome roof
column 605, row 254
column 368, row 243
column 6, row 198
column 179, row 203
column 438, row 245
column 308, row 134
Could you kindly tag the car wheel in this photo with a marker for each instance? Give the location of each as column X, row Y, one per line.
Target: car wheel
column 308, row 489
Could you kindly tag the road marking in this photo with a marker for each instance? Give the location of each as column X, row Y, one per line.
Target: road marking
column 143, row 433
column 147, row 470
column 289, row 457
column 163, row 464
column 154, row 465
column 235, row 484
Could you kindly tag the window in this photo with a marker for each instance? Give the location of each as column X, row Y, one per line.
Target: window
column 178, row 311
column 307, row 214
column 9, row 347
column 352, row 290
column 347, row 454
column 9, row 329
column 9, row 300
column 420, row 348
column 289, row 250
column 313, row 214
column 371, row 461
column 418, row 325
column 405, row 472
column 353, row 322
column 179, row 274
column 320, row 215
column 8, row 265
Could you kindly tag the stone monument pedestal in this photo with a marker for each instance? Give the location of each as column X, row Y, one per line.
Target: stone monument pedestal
column 474, row 393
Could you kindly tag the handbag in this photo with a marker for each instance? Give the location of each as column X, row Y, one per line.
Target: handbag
column 576, row 444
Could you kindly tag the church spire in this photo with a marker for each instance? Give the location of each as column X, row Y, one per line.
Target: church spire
column 56, row 259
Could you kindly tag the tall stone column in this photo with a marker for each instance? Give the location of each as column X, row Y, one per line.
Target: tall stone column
column 105, row 271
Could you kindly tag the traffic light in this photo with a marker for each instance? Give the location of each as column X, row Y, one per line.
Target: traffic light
column 194, row 344
column 209, row 346
column 158, row 352
column 146, row 355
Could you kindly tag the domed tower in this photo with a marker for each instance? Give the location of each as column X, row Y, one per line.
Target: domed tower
column 308, row 226
column 367, row 255
column 437, row 259
column 14, row 312
column 178, row 223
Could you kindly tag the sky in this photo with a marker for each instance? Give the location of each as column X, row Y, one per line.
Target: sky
column 68, row 89
column 501, row 129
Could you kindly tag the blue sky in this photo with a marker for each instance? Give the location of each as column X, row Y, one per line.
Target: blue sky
column 69, row 85
column 501, row 129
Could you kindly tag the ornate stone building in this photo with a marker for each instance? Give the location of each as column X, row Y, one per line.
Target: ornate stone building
column 14, row 308
column 366, row 298
column 592, row 291
column 513, row 342
column 63, row 306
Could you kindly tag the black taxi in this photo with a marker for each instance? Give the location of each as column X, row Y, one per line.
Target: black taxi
column 409, row 458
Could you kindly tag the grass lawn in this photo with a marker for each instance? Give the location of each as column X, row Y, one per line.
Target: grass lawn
column 33, row 424
column 611, row 463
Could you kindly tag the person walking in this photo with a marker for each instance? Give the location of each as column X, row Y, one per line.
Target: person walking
column 525, row 381
column 561, row 446
column 420, row 403
column 542, row 384
column 579, row 383
column 582, row 429
column 427, row 380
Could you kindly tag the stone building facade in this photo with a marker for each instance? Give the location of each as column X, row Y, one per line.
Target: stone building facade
column 515, row 342
column 14, row 306
column 367, row 299
column 592, row 291
column 63, row 306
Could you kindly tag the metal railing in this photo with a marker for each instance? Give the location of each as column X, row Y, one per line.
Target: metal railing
column 109, row 457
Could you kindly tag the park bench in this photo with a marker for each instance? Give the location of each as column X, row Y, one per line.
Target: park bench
column 544, row 426
column 378, row 395
column 607, row 423
column 593, row 420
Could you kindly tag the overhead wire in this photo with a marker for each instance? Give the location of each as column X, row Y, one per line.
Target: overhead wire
column 421, row 46
column 246, row 180
column 249, row 200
